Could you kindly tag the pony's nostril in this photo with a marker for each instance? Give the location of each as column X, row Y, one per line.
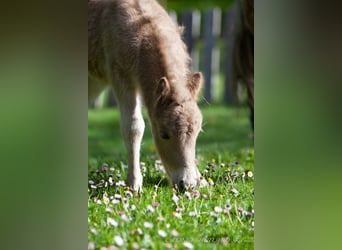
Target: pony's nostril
column 181, row 186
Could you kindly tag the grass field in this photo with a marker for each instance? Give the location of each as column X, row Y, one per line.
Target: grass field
column 220, row 216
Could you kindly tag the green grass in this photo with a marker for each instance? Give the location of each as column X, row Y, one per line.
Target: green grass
column 220, row 216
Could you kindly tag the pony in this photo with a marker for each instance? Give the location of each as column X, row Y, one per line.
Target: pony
column 135, row 48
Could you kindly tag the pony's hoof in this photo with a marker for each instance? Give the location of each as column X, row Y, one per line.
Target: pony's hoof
column 135, row 185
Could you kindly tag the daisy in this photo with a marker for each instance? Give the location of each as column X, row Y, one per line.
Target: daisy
column 118, row 240
column 188, row 245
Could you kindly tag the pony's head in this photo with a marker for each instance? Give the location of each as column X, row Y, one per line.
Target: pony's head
column 176, row 123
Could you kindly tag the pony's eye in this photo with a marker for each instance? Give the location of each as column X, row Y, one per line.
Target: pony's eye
column 164, row 135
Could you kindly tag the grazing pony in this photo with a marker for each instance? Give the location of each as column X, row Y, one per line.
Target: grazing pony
column 243, row 51
column 136, row 48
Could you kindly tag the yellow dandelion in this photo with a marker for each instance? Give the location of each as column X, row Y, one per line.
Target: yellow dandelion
column 210, row 181
column 152, row 148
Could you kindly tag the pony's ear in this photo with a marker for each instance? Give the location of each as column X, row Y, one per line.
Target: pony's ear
column 163, row 88
column 195, row 84
column 163, row 92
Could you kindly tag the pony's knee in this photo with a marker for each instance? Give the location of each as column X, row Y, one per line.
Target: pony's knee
column 137, row 127
column 133, row 128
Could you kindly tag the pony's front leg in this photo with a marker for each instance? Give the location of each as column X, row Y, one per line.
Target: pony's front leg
column 132, row 128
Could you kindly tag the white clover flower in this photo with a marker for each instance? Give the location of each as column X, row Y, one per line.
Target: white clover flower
column 175, row 198
column 213, row 214
column 188, row 245
column 91, row 246
column 158, row 165
column 174, row 233
column 139, row 231
column 135, row 245
column 179, row 209
column 177, row 215
column 150, row 208
column 105, row 198
column 218, row 209
column 148, row 225
column 202, row 183
column 160, row 218
column 111, row 221
column 115, row 201
column 187, row 194
column 192, row 213
column 235, row 192
column 109, row 210
column 124, row 217
column 168, row 245
column 162, row 233
column 120, row 183
column 117, row 196
column 118, row 240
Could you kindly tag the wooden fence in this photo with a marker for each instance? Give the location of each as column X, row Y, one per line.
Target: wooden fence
column 209, row 38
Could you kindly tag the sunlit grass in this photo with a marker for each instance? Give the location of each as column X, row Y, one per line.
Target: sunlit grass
column 219, row 216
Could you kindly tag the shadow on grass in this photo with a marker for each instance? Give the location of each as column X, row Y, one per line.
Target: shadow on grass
column 151, row 181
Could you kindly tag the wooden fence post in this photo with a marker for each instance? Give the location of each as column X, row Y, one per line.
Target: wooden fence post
column 191, row 19
column 212, row 27
column 228, row 37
